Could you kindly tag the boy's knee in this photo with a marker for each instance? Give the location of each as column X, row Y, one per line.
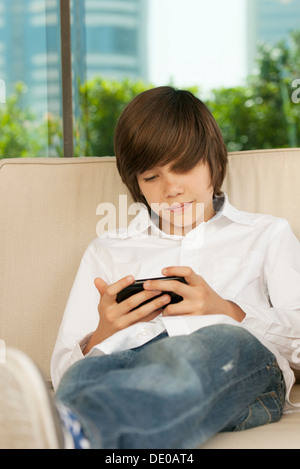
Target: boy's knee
column 227, row 332
column 235, row 341
column 71, row 378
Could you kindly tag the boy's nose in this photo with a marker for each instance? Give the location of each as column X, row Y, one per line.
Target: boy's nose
column 173, row 187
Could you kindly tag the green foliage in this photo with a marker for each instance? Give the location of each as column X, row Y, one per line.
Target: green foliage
column 262, row 113
column 19, row 136
column 102, row 102
column 22, row 134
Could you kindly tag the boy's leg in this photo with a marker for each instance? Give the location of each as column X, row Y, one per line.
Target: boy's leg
column 175, row 392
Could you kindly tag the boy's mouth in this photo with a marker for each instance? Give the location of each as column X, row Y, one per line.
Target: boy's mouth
column 179, row 208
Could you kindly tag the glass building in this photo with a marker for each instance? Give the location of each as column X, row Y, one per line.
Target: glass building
column 116, row 38
column 269, row 21
column 30, row 51
column 109, row 38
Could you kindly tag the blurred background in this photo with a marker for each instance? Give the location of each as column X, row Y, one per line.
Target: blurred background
column 241, row 57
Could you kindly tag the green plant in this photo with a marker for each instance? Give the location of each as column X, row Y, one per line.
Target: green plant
column 102, row 102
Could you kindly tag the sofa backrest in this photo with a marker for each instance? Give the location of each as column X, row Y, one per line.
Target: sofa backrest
column 266, row 181
column 51, row 208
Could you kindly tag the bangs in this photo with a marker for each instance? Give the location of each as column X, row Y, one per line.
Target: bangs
column 179, row 143
column 170, row 132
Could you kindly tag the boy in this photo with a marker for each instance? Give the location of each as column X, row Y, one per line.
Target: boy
column 160, row 375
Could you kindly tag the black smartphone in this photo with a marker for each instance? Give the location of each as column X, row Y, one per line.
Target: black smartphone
column 137, row 286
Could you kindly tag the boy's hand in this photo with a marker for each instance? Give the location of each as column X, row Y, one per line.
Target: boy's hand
column 198, row 297
column 117, row 316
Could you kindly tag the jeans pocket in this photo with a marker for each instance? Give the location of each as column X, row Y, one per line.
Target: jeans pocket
column 266, row 408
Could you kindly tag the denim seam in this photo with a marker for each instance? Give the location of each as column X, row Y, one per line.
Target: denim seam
column 276, row 401
column 266, row 409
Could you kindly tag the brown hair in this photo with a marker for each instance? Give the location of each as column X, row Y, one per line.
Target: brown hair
column 167, row 126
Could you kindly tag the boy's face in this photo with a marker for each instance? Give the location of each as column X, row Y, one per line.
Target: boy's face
column 181, row 200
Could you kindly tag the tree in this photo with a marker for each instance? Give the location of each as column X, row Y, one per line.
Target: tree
column 102, row 102
column 19, row 135
column 262, row 114
column 22, row 134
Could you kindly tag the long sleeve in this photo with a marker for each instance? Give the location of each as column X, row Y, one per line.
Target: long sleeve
column 280, row 323
column 80, row 317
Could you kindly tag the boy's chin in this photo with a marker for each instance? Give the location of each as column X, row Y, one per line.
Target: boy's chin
column 180, row 229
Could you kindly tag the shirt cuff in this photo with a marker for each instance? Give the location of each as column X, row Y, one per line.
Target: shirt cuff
column 94, row 352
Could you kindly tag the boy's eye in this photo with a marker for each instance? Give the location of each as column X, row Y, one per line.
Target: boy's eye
column 150, row 178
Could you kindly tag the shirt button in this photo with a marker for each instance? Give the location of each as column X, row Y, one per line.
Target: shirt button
column 142, row 333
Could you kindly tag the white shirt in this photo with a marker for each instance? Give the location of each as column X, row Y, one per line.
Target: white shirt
column 250, row 259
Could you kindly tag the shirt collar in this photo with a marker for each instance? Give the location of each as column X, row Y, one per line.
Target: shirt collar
column 225, row 209
column 143, row 225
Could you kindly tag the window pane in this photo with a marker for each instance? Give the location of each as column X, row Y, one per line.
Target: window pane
column 229, row 53
column 239, row 56
column 30, row 68
column 114, row 37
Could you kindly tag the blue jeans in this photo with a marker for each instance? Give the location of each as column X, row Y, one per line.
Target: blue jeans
column 175, row 392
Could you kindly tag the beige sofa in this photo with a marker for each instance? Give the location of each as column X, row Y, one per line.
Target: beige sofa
column 49, row 215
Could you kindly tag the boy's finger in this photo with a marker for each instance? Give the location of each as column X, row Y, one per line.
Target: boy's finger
column 116, row 287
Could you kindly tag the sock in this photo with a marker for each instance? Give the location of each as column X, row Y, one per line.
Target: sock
column 73, row 433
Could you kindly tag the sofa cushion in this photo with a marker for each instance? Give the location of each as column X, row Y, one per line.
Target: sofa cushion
column 266, row 181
